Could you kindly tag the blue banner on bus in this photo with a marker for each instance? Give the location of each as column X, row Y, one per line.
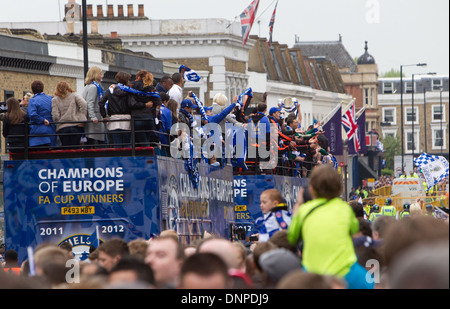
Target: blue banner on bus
column 247, row 192
column 69, row 199
column 192, row 211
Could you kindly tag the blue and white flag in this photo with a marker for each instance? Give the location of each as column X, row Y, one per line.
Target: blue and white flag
column 94, row 238
column 434, row 168
column 189, row 74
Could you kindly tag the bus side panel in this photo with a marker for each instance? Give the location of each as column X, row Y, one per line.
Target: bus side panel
column 247, row 192
column 70, row 200
column 190, row 211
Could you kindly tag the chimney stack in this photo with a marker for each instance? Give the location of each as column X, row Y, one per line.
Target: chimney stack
column 120, row 10
column 130, row 10
column 141, row 10
column 110, row 11
column 100, row 11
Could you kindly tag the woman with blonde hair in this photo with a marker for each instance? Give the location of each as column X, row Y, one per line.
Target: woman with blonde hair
column 67, row 108
column 92, row 94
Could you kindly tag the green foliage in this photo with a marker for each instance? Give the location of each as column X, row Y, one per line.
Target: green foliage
column 392, row 73
column 392, row 148
column 387, row 172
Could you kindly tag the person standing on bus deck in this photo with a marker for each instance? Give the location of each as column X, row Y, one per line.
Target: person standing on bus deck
column 276, row 216
column 67, row 108
column 325, row 225
column 14, row 123
column 92, row 94
column 41, row 121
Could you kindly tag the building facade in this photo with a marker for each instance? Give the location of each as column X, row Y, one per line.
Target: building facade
column 425, row 113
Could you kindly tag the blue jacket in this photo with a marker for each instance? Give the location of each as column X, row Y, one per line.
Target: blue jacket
column 40, row 109
column 166, row 119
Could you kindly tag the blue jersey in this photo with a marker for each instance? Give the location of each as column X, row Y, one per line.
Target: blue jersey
column 276, row 220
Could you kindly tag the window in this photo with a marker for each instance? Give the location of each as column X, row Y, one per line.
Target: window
column 408, row 87
column 437, row 113
column 411, row 115
column 437, row 84
column 388, row 87
column 410, row 143
column 389, row 115
column 439, row 137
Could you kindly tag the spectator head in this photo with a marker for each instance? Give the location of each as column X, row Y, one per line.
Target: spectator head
column 280, row 239
column 63, row 89
column 220, row 99
column 177, row 79
column 262, row 107
column 166, row 82
column 380, row 225
column 138, row 248
column 269, row 199
column 50, row 263
column 325, row 182
column 222, row 248
column 11, row 258
column 277, row 263
column 131, row 269
column 111, row 251
column 357, row 208
column 165, row 256
column 204, row 271
column 37, row 86
column 123, row 78
column 93, row 74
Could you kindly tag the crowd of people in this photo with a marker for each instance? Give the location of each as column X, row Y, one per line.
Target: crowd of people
column 98, row 117
column 325, row 243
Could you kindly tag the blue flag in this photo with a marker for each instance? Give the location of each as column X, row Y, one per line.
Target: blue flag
column 94, row 239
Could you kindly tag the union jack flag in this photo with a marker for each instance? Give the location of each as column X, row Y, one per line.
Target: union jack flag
column 247, row 19
column 351, row 126
column 272, row 22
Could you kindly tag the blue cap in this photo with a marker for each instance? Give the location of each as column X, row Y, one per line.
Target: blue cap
column 188, row 103
column 207, row 108
column 273, row 110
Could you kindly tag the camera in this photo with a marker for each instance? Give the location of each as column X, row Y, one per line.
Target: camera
column 3, row 107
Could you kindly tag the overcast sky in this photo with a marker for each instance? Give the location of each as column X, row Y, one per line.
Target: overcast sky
column 399, row 32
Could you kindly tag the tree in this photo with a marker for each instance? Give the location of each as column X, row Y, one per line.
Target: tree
column 392, row 73
column 392, row 147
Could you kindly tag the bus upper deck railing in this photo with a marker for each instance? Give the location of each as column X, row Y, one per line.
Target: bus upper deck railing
column 131, row 148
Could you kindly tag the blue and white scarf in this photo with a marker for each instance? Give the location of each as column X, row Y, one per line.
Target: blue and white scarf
column 135, row 91
column 99, row 90
column 190, row 164
column 200, row 105
column 189, row 74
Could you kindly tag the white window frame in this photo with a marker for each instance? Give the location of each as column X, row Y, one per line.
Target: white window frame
column 394, row 122
column 437, row 88
column 435, row 128
column 384, row 87
column 416, row 140
column 410, row 88
column 416, row 121
column 443, row 113
column 389, row 131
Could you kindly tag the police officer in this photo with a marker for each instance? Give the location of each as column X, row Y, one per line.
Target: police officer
column 375, row 213
column 429, row 210
column 405, row 212
column 388, row 210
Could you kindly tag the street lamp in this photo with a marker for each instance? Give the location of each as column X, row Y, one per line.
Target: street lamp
column 401, row 106
column 85, row 38
column 414, row 112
